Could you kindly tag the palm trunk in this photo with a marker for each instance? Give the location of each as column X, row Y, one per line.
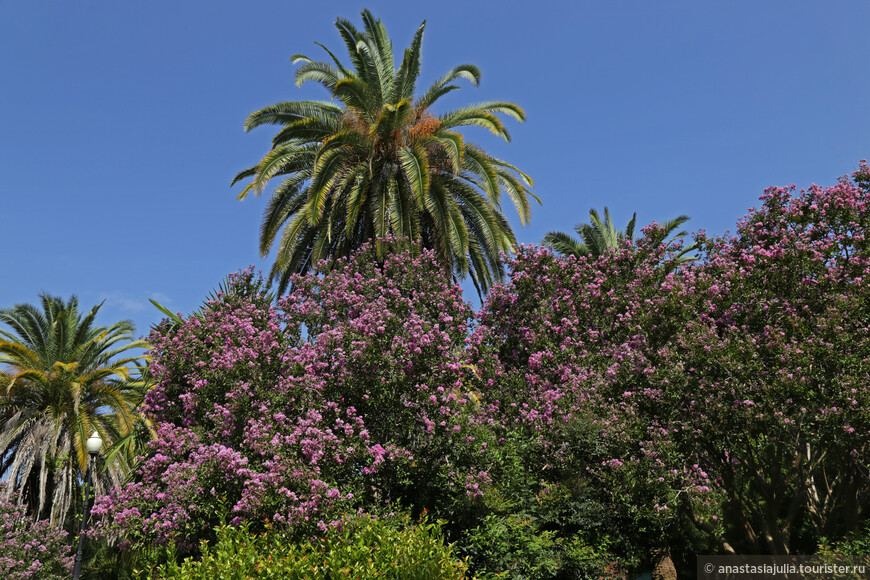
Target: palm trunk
column 663, row 565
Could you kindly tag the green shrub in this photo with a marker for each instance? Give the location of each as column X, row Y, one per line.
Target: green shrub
column 364, row 548
column 514, row 546
column 855, row 544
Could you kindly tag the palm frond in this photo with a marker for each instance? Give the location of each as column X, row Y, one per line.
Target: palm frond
column 409, row 70
column 442, row 86
column 566, row 245
column 471, row 116
column 416, row 169
column 288, row 112
column 320, row 72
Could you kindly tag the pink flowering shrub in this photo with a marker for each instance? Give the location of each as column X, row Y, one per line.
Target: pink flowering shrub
column 32, row 550
column 350, row 395
column 775, row 389
column 388, row 341
column 239, row 436
column 574, row 356
column 727, row 401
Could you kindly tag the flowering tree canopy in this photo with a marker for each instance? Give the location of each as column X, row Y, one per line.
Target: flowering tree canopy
column 738, row 384
column 337, row 399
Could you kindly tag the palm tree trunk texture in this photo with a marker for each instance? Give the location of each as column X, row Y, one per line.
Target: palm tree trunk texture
column 663, row 565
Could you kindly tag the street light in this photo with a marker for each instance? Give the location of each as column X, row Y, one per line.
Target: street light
column 94, row 444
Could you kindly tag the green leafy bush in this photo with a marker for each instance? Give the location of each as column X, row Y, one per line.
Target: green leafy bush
column 855, row 544
column 532, row 545
column 363, row 548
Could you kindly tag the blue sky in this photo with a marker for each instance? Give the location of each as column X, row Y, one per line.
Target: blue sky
column 121, row 122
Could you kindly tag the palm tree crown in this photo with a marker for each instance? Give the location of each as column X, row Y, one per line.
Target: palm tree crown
column 63, row 380
column 597, row 237
column 380, row 162
column 601, row 236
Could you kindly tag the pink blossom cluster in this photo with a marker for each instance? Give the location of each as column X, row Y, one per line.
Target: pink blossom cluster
column 32, row 550
column 335, row 400
column 751, row 360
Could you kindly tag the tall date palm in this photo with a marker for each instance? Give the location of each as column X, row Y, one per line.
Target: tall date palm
column 377, row 161
column 61, row 378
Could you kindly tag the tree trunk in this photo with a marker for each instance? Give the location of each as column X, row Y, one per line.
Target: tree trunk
column 663, row 565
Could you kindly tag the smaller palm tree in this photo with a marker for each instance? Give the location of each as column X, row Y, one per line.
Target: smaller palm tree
column 597, row 237
column 64, row 378
column 600, row 237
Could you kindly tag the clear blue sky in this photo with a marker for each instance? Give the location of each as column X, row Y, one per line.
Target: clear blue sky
column 121, row 122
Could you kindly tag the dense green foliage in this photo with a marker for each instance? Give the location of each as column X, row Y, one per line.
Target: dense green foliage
column 360, row 549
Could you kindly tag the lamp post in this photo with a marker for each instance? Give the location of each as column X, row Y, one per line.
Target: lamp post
column 94, row 444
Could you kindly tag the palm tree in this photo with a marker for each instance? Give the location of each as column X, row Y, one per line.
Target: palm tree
column 63, row 380
column 376, row 161
column 599, row 237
